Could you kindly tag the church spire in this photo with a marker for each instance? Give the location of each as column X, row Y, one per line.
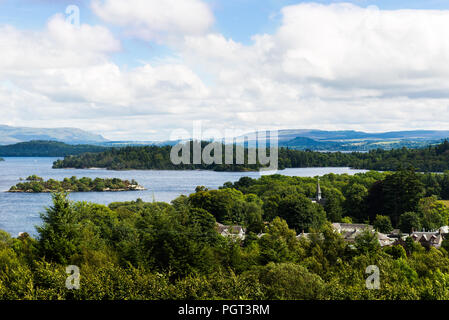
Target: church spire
column 318, row 191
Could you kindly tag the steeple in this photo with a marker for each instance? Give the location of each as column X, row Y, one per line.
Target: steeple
column 318, row 191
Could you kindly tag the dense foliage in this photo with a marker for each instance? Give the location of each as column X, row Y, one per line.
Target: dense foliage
column 430, row 159
column 37, row 184
column 378, row 198
column 139, row 250
column 46, row 149
column 356, row 144
column 148, row 157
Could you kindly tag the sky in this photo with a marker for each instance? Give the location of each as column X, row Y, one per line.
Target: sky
column 146, row 69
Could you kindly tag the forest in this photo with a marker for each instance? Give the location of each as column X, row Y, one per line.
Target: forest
column 429, row 159
column 36, row 184
column 39, row 148
column 153, row 250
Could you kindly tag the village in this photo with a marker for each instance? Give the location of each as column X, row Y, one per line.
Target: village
column 350, row 231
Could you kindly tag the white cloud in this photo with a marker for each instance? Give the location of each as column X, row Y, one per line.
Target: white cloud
column 156, row 19
column 333, row 67
column 59, row 45
column 64, row 72
column 402, row 51
column 343, row 47
column 326, row 66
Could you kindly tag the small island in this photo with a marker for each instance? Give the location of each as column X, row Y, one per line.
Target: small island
column 35, row 184
column 1, row 159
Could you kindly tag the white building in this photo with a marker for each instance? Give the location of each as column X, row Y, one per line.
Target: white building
column 237, row 232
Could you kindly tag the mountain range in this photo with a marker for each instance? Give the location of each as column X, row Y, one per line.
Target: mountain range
column 359, row 135
column 348, row 140
column 300, row 139
column 11, row 135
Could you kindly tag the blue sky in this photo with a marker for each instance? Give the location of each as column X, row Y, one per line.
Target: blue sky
column 236, row 19
column 140, row 69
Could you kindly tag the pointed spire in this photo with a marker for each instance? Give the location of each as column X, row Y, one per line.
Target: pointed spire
column 318, row 191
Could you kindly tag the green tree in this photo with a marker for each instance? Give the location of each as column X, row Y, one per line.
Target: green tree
column 202, row 226
column 289, row 281
column 410, row 221
column 300, row 213
column 346, row 220
column 402, row 191
column 355, row 206
column 367, row 243
column 279, row 244
column 445, row 186
column 433, row 213
column 383, row 224
column 334, row 204
column 58, row 235
column 397, row 252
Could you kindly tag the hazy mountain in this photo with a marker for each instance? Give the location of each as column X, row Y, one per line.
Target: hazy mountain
column 138, row 143
column 307, row 143
column 285, row 135
column 10, row 135
column 350, row 140
column 347, row 140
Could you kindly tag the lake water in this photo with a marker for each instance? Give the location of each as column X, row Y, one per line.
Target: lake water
column 19, row 212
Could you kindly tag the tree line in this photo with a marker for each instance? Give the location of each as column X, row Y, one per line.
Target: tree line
column 40, row 148
column 429, row 159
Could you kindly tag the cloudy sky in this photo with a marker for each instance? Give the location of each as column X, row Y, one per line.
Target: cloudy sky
column 139, row 69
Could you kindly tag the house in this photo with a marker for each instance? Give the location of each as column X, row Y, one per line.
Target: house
column 428, row 239
column 351, row 227
column 303, row 235
column 350, row 231
column 396, row 233
column 235, row 231
column 308, row 236
column 385, row 240
column 444, row 230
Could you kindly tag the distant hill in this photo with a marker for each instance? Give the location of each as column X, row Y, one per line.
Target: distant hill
column 299, row 139
column 302, row 139
column 10, row 135
column 46, row 149
column 285, row 135
column 304, row 143
column 138, row 143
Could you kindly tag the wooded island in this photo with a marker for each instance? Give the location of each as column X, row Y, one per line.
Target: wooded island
column 35, row 184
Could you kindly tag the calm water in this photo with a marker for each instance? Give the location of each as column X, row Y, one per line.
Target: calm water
column 19, row 212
